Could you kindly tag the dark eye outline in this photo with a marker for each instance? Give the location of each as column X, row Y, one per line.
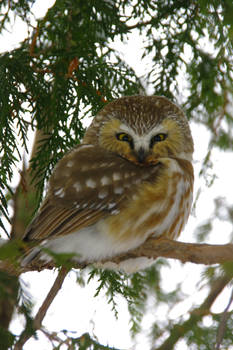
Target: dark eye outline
column 122, row 136
column 157, row 138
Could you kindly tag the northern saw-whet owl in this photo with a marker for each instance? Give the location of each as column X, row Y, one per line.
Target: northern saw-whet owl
column 131, row 178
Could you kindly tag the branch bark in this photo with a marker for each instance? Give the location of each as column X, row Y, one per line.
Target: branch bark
column 206, row 254
column 186, row 252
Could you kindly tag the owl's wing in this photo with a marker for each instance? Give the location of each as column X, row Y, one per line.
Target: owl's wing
column 87, row 184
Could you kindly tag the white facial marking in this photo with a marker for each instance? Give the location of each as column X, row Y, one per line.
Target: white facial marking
column 142, row 141
column 116, row 176
column 91, row 183
column 105, row 180
column 187, row 156
column 77, row 186
column 60, row 192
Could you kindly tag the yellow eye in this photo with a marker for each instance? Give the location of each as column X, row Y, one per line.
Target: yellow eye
column 157, row 138
column 121, row 136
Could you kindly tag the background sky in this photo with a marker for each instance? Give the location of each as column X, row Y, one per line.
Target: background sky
column 75, row 308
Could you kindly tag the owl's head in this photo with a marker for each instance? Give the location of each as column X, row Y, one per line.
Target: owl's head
column 142, row 129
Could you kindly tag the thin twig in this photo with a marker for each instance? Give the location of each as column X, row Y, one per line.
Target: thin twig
column 178, row 331
column 44, row 308
column 222, row 324
column 5, row 15
column 50, row 297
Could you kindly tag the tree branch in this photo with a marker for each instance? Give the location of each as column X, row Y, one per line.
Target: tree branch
column 206, row 254
column 179, row 330
column 24, row 203
column 223, row 322
column 25, row 335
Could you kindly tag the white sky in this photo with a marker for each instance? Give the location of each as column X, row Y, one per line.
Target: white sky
column 75, row 308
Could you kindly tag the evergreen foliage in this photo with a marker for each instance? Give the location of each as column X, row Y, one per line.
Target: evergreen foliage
column 68, row 68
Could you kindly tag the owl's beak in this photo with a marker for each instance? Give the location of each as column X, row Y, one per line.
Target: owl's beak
column 141, row 155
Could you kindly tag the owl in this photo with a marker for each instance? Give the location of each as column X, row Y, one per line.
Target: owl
column 130, row 179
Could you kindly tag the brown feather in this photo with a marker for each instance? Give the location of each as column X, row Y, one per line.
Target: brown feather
column 66, row 209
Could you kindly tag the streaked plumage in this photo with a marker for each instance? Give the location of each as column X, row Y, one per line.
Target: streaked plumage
column 130, row 179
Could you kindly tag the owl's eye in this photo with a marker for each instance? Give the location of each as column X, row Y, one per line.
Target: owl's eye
column 157, row 138
column 121, row 136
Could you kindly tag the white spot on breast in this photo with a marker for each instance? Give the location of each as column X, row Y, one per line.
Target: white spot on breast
column 102, row 193
column 118, row 190
column 105, row 181
column 77, row 186
column 60, row 192
column 116, row 176
column 91, row 183
column 70, row 163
